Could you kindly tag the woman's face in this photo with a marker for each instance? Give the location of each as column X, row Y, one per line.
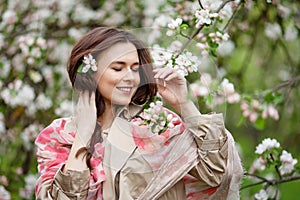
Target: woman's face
column 118, row 73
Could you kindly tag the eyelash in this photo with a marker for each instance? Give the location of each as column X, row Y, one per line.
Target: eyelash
column 120, row 69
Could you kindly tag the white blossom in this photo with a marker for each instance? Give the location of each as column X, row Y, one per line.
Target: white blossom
column 273, row 31
column 2, row 124
column 291, row 33
column 28, row 191
column 18, row 94
column 261, row 195
column 5, row 67
column 2, row 42
column 227, row 89
column 4, row 194
column 284, row 11
column 203, row 17
column 89, row 63
column 225, row 48
column 43, row 102
column 174, row 24
column 29, row 134
column 9, row 17
column 65, row 108
column 287, row 163
column 35, row 76
column 267, row 144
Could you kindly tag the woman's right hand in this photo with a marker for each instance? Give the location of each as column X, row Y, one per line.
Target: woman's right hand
column 85, row 117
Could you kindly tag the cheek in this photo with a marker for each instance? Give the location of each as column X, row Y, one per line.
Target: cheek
column 106, row 83
column 137, row 78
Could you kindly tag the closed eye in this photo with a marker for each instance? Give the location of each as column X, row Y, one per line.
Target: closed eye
column 117, row 68
column 135, row 69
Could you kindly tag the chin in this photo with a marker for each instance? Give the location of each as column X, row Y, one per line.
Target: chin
column 122, row 103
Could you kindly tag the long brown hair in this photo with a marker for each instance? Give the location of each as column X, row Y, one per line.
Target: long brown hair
column 95, row 42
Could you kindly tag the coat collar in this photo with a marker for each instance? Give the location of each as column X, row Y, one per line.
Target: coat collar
column 129, row 112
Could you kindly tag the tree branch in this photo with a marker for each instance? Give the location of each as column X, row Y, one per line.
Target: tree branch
column 288, row 83
column 270, row 182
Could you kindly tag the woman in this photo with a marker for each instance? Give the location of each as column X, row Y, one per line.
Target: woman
column 108, row 151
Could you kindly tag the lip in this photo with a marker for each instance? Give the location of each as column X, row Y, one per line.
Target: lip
column 125, row 89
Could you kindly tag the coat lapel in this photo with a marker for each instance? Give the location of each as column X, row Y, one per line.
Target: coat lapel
column 118, row 149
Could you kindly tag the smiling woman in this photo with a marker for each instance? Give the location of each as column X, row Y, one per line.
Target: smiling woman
column 106, row 151
column 119, row 77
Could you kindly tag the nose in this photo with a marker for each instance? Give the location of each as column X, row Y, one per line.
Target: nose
column 129, row 75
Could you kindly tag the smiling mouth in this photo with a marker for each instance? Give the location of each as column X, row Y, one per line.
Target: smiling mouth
column 126, row 90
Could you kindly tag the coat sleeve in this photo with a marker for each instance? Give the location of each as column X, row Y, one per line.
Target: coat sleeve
column 211, row 139
column 52, row 150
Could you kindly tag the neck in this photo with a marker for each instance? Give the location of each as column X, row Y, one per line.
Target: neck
column 107, row 117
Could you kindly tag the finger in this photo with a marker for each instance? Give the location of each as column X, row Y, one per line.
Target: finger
column 92, row 99
column 85, row 98
column 160, row 82
column 164, row 72
column 174, row 75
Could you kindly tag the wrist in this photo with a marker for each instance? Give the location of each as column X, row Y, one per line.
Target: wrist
column 187, row 109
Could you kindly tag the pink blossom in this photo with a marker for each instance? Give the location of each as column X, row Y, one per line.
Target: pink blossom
column 258, row 164
column 270, row 111
column 10, row 17
column 233, row 98
column 205, row 79
column 4, row 180
column 244, row 105
column 253, row 117
column 255, row 104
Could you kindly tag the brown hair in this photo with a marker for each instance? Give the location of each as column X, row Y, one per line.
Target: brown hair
column 95, row 42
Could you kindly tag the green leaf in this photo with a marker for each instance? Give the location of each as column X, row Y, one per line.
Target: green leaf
column 79, row 70
column 278, row 99
column 184, row 27
column 241, row 121
column 260, row 123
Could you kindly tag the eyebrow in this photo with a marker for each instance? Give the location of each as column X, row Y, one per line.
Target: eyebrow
column 124, row 63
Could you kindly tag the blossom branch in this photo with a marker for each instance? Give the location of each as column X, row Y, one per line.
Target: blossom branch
column 197, row 31
column 270, row 182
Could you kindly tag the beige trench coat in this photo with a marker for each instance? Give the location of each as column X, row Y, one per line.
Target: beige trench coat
column 204, row 145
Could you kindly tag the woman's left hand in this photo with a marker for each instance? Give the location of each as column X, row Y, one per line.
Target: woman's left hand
column 171, row 86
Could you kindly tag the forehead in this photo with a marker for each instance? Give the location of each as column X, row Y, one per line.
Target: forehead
column 119, row 52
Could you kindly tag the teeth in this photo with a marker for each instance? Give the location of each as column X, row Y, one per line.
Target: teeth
column 125, row 89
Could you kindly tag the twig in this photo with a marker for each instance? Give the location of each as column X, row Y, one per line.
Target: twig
column 233, row 14
column 256, row 176
column 251, row 185
column 201, row 6
column 183, row 35
column 290, row 59
column 270, row 182
column 284, row 84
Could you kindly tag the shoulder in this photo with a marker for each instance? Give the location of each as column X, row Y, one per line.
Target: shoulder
column 56, row 131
